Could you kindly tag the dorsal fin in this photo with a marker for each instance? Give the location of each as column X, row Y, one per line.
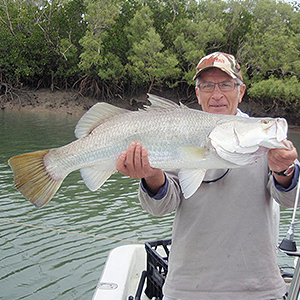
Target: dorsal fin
column 161, row 103
column 97, row 114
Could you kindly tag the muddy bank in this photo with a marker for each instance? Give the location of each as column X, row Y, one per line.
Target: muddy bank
column 44, row 100
column 74, row 103
column 64, row 102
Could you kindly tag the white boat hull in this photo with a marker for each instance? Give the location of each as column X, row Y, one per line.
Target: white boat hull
column 121, row 273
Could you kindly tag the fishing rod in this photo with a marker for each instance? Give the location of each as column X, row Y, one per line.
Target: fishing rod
column 288, row 244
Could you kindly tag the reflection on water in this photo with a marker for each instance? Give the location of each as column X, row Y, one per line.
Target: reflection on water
column 49, row 259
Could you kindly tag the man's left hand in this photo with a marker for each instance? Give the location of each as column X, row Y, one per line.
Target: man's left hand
column 280, row 160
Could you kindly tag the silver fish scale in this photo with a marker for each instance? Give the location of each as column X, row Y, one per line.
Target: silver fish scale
column 162, row 132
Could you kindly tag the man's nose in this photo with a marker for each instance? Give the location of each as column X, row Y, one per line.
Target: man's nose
column 217, row 93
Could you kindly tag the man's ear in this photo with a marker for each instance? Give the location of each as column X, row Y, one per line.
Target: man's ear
column 242, row 92
column 198, row 94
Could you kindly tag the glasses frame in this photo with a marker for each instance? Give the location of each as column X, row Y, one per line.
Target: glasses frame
column 235, row 84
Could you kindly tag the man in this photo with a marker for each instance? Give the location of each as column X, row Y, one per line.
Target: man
column 222, row 242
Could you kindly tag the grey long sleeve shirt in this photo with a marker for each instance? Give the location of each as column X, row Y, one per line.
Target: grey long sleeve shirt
column 223, row 245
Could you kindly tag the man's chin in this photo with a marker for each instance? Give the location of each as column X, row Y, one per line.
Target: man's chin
column 220, row 109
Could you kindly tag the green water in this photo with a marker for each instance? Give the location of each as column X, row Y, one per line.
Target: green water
column 43, row 264
column 58, row 252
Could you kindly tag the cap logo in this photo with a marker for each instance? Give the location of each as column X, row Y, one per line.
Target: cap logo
column 211, row 61
column 226, row 62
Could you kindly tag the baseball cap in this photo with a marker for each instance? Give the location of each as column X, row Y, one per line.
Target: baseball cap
column 225, row 62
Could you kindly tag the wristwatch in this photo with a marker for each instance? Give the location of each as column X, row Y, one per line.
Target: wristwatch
column 288, row 172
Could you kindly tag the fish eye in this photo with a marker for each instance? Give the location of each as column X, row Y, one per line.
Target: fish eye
column 265, row 121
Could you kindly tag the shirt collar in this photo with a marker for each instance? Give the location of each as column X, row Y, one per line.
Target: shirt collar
column 241, row 114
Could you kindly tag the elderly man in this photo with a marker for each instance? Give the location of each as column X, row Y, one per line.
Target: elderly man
column 222, row 242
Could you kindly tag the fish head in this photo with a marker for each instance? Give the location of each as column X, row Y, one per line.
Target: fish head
column 243, row 140
column 264, row 132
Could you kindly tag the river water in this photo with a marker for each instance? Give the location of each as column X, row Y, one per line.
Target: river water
column 58, row 252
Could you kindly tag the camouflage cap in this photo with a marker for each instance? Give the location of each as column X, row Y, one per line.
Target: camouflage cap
column 225, row 62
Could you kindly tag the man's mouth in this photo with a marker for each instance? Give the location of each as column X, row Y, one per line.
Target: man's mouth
column 217, row 106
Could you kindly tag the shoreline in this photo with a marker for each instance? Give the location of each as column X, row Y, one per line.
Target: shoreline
column 71, row 102
column 45, row 101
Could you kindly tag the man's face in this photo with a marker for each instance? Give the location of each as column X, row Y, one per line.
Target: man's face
column 218, row 102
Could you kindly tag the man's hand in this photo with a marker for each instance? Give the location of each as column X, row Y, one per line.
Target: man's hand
column 135, row 163
column 281, row 159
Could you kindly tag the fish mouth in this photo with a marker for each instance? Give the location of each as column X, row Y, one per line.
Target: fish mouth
column 278, row 130
column 281, row 127
column 281, row 133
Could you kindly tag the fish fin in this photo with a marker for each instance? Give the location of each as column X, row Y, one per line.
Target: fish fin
column 183, row 105
column 161, row 103
column 94, row 177
column 190, row 180
column 193, row 153
column 96, row 115
column 32, row 179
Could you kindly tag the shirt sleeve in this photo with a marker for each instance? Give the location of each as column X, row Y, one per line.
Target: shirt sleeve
column 285, row 196
column 166, row 200
column 161, row 192
column 293, row 183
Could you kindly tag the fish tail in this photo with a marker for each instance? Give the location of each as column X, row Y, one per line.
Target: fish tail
column 32, row 179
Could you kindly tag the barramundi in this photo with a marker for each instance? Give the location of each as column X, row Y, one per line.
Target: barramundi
column 175, row 136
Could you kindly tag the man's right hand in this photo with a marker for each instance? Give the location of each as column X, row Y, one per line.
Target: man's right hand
column 134, row 162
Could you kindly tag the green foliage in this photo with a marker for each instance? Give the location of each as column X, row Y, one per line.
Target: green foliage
column 237, row 23
column 111, row 47
column 148, row 63
column 271, row 47
column 40, row 42
column 191, row 39
column 99, row 55
column 285, row 90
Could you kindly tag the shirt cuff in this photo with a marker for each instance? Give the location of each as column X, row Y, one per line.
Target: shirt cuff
column 161, row 192
column 292, row 185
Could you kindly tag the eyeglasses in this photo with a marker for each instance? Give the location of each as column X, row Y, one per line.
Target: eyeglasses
column 224, row 86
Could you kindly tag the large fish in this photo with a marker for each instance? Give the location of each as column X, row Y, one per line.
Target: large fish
column 175, row 136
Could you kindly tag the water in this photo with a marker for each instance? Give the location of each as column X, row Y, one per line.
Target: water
column 58, row 252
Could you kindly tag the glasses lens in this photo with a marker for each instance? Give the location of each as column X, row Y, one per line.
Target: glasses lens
column 226, row 86
column 207, row 86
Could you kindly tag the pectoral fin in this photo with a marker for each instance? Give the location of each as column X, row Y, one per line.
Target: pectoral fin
column 193, row 153
column 190, row 180
column 94, row 178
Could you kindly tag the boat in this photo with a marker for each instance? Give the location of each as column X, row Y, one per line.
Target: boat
column 138, row 272
column 134, row 271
